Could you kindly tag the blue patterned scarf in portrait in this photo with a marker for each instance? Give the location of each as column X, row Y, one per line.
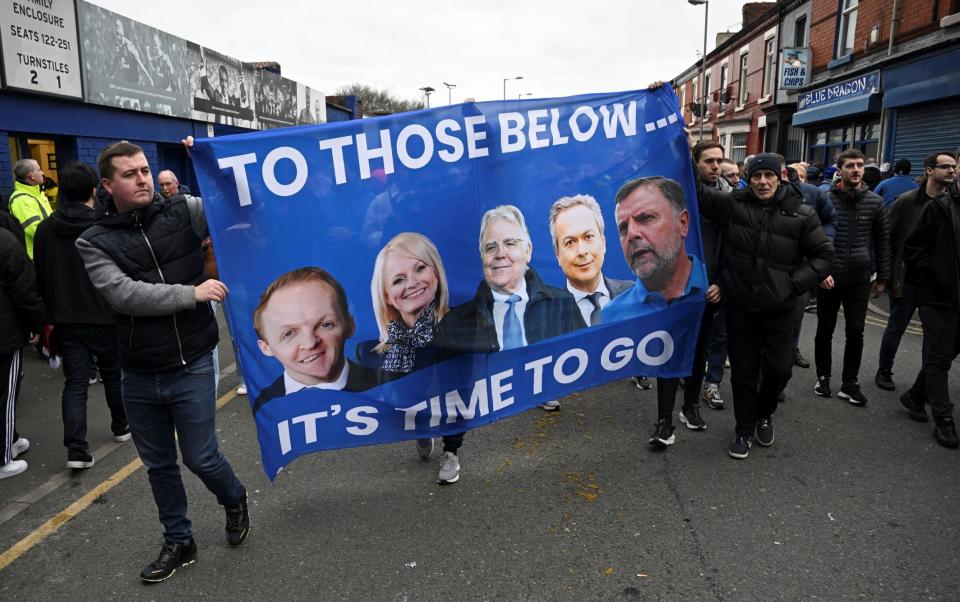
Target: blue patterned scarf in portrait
column 404, row 342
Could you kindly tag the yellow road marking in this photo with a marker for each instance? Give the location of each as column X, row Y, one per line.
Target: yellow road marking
column 48, row 528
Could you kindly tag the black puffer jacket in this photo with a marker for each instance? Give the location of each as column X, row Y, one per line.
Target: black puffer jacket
column 772, row 252
column 862, row 242
column 21, row 310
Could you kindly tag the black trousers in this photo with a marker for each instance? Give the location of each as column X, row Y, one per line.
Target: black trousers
column 760, row 345
column 854, row 297
column 667, row 387
column 11, row 373
column 79, row 344
column 941, row 338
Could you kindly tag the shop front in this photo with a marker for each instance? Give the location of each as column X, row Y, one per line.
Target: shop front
column 841, row 115
column 922, row 100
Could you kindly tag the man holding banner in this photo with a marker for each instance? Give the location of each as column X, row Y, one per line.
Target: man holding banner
column 145, row 258
column 773, row 251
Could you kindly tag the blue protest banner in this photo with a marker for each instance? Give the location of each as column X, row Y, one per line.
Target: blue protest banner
column 426, row 273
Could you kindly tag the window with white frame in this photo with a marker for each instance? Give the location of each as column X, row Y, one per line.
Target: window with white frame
column 724, row 82
column 683, row 97
column 770, row 67
column 848, row 27
column 742, row 97
column 738, row 147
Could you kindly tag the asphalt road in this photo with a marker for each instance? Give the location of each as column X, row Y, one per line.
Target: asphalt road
column 848, row 503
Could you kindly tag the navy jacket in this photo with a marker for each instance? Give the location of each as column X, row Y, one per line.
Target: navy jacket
column 470, row 328
column 360, row 378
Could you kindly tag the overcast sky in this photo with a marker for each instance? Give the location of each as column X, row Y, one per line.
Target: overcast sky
column 560, row 47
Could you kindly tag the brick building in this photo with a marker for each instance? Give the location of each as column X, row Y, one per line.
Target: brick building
column 879, row 75
column 739, row 81
column 885, row 78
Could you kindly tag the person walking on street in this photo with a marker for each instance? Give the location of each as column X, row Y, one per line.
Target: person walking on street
column 862, row 241
column 903, row 294
column 773, row 250
column 818, row 201
column 709, row 168
column 145, row 258
column 84, row 324
column 932, row 253
column 22, row 315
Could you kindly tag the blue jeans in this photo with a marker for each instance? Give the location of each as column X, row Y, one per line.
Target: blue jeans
column 181, row 402
column 717, row 350
column 901, row 311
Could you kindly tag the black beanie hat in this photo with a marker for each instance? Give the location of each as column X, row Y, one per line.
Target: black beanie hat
column 764, row 161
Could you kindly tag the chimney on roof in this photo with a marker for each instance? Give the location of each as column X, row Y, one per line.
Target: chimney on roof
column 723, row 36
column 753, row 11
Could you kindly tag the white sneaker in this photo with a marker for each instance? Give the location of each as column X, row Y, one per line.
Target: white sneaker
column 449, row 469
column 19, row 446
column 550, row 406
column 242, row 390
column 12, row 468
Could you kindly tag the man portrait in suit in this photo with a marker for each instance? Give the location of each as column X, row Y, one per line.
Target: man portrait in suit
column 512, row 307
column 576, row 228
column 303, row 321
column 652, row 221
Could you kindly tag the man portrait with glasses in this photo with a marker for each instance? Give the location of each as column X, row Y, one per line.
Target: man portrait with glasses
column 513, row 307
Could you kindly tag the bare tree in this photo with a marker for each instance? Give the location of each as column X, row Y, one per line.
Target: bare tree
column 378, row 101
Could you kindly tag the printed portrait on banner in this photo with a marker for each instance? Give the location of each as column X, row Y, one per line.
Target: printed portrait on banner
column 425, row 273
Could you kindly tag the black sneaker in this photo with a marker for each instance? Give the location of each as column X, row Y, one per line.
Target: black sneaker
column 690, row 416
column 662, row 435
column 765, row 432
column 884, row 380
column 643, row 383
column 799, row 360
column 822, row 388
column 945, row 432
column 77, row 459
column 914, row 409
column 172, row 556
column 238, row 522
column 852, row 393
column 740, row 448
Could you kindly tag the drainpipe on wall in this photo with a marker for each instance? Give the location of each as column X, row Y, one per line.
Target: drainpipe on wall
column 894, row 17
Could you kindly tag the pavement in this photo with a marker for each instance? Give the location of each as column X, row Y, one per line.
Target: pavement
column 849, row 503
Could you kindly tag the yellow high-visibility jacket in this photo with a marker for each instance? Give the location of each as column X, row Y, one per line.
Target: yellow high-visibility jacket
column 30, row 206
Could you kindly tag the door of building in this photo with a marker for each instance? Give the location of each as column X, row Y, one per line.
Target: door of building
column 44, row 152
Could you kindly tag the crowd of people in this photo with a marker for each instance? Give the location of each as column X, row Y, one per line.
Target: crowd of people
column 869, row 239
column 119, row 271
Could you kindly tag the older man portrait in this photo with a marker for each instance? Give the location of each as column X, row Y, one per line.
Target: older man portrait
column 512, row 306
column 653, row 221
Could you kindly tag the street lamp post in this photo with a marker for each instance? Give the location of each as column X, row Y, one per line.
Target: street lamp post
column 450, row 87
column 703, row 63
column 427, row 90
column 505, row 80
